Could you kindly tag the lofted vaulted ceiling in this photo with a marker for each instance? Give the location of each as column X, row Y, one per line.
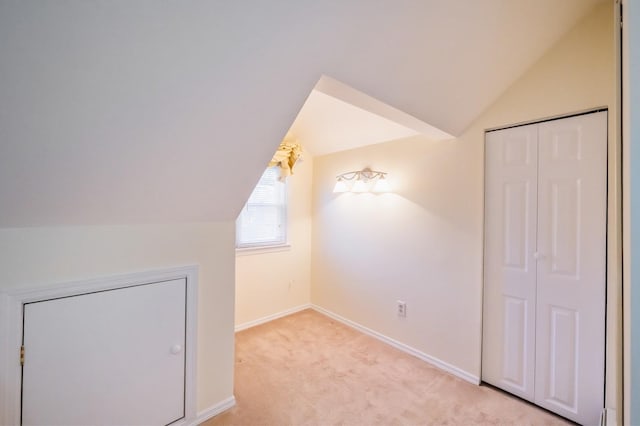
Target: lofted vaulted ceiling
column 114, row 111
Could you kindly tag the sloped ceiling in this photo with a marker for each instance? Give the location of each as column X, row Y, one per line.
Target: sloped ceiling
column 326, row 124
column 114, row 111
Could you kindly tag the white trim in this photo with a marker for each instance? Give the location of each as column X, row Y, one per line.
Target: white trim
column 12, row 300
column 9, row 350
column 249, row 251
column 271, row 317
column 214, row 410
column 464, row 375
column 549, row 118
column 608, row 417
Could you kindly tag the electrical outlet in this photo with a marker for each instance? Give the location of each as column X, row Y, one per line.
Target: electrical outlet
column 401, row 308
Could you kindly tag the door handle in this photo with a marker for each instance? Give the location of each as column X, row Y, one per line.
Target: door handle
column 176, row 349
column 538, row 256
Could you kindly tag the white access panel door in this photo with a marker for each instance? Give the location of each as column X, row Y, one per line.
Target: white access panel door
column 508, row 341
column 112, row 357
column 572, row 215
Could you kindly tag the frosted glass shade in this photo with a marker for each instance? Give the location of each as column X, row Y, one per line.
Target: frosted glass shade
column 340, row 186
column 360, row 186
column 381, row 185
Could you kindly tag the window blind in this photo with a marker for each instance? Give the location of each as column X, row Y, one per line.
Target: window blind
column 263, row 220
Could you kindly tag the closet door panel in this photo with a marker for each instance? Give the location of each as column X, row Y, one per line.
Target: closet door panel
column 510, row 275
column 571, row 266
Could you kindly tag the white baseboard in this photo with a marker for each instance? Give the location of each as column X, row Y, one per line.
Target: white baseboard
column 464, row 375
column 272, row 317
column 213, row 411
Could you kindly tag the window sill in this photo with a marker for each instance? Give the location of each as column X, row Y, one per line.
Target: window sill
column 249, row 251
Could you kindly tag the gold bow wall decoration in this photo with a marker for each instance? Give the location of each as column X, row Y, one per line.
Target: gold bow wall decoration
column 288, row 153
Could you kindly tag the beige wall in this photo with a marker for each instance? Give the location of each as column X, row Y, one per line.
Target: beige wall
column 268, row 283
column 418, row 244
column 423, row 243
column 38, row 257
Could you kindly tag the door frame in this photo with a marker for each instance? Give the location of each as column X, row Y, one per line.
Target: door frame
column 11, row 330
column 612, row 240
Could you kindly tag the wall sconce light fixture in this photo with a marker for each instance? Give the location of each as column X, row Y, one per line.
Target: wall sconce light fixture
column 365, row 180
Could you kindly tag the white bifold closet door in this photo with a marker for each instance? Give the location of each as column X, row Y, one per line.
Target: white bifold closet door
column 545, row 264
column 112, row 357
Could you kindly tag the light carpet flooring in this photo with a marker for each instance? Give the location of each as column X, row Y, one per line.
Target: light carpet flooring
column 307, row 369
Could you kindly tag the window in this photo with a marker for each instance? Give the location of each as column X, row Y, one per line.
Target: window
column 263, row 220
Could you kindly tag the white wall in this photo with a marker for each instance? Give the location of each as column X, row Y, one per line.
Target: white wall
column 37, row 257
column 147, row 101
column 423, row 243
column 271, row 282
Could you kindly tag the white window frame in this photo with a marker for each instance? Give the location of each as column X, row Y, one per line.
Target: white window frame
column 269, row 245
